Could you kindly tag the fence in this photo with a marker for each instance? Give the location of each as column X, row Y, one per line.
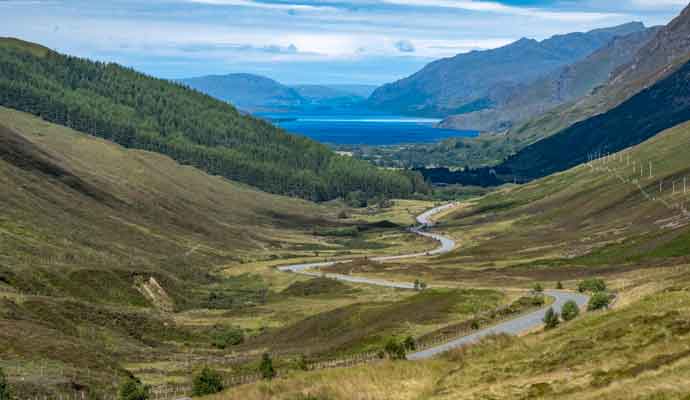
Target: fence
column 176, row 391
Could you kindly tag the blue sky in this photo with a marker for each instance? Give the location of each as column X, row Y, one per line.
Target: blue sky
column 304, row 41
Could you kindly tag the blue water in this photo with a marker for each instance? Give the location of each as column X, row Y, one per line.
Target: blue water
column 367, row 129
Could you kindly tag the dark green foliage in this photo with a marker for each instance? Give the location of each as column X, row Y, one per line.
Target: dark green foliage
column 4, row 387
column 137, row 111
column 598, row 301
column 266, row 367
column 223, row 337
column 592, row 285
column 570, row 311
column 410, row 344
column 551, row 319
column 537, row 289
column 559, row 285
column 133, row 389
column 301, row 363
column 395, row 350
column 208, row 381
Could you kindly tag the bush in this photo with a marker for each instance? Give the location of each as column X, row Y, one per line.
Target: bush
column 301, row 363
column 4, row 387
column 224, row 337
column 537, row 289
column 266, row 367
column 570, row 311
column 559, row 285
column 593, row 285
column 395, row 350
column 599, row 301
column 206, row 382
column 551, row 319
column 133, row 389
column 410, row 344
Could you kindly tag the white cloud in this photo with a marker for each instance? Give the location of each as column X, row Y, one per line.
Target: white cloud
column 494, row 7
column 258, row 4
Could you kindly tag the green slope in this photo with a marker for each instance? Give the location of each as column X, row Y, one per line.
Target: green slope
column 138, row 111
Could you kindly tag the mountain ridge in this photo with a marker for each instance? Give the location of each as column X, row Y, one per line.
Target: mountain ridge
column 464, row 83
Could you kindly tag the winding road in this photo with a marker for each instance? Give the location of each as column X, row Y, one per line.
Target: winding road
column 515, row 326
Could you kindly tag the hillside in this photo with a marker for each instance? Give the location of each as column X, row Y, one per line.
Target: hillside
column 476, row 80
column 567, row 84
column 98, row 244
column 597, row 220
column 247, row 92
column 661, row 56
column 138, row 111
column 255, row 93
column 644, row 115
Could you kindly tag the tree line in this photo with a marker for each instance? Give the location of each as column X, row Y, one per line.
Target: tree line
column 138, row 111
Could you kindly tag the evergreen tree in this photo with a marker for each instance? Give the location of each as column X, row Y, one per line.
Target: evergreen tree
column 207, row 382
column 570, row 311
column 266, row 367
column 551, row 319
column 138, row 111
column 133, row 389
column 4, row 386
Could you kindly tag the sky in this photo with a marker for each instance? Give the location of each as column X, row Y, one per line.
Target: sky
column 305, row 41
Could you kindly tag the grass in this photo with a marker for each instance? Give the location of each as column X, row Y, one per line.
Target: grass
column 637, row 351
column 580, row 222
column 134, row 259
column 366, row 326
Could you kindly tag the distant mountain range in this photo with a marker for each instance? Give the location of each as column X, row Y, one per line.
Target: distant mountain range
column 255, row 93
column 647, row 95
column 481, row 80
column 566, row 84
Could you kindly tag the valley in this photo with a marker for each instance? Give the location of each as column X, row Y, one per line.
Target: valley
column 506, row 218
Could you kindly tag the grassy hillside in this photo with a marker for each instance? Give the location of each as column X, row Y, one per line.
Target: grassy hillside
column 638, row 351
column 99, row 244
column 602, row 220
column 137, row 111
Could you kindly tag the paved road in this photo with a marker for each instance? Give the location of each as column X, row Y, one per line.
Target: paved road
column 511, row 327
column 446, row 245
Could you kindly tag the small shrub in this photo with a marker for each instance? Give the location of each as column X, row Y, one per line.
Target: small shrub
column 537, row 289
column 133, row 389
column 395, row 350
column 410, row 344
column 551, row 319
column 570, row 311
column 4, row 387
column 266, row 367
column 593, row 285
column 206, row 382
column 301, row 363
column 559, row 285
column 598, row 301
column 224, row 337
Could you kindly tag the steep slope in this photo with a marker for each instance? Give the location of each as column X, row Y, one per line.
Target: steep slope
column 562, row 86
column 475, row 81
column 248, row 92
column 72, row 204
column 100, row 244
column 662, row 55
column 653, row 110
column 141, row 112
